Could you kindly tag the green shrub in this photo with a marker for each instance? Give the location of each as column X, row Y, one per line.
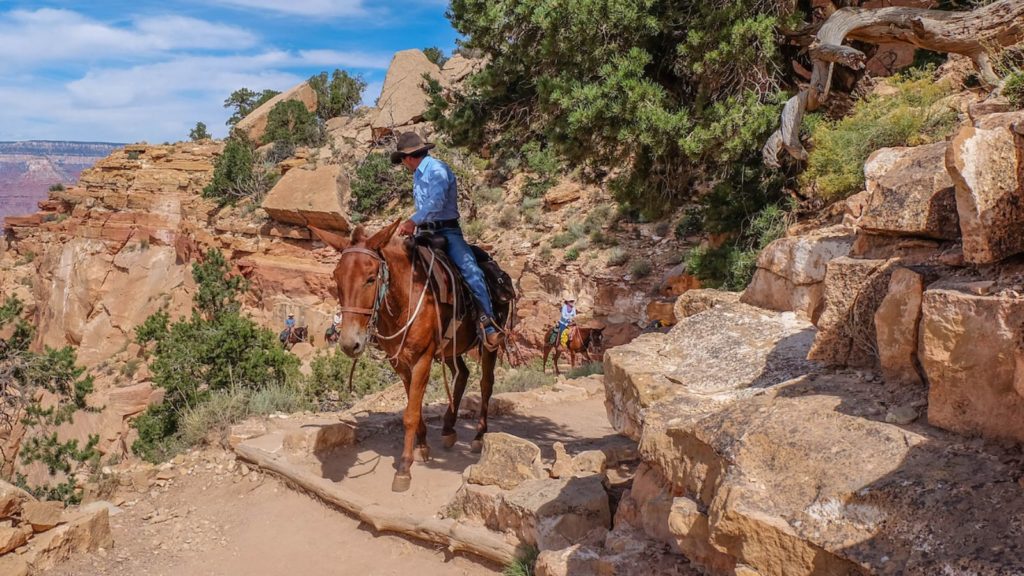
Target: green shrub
column 526, row 377
column 337, row 96
column 215, row 351
column 292, row 123
column 563, row 239
column 473, row 229
column 545, row 167
column 377, row 183
column 523, row 565
column 286, row 398
column 572, row 254
column 199, row 132
column 586, row 370
column 640, row 269
column 690, row 224
column 58, row 187
column 237, row 173
column 618, row 257
column 1013, row 89
column 328, row 381
column 211, row 419
column 508, row 217
column 910, row 117
column 486, row 196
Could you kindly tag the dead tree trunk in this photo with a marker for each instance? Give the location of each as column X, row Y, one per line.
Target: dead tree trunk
column 975, row 34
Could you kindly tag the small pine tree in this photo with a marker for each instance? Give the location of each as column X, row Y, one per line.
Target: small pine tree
column 244, row 101
column 435, row 55
column 199, row 133
column 337, row 96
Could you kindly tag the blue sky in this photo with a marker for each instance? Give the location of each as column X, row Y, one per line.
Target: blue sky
column 148, row 70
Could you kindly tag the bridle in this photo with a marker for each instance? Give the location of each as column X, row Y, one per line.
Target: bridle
column 382, row 283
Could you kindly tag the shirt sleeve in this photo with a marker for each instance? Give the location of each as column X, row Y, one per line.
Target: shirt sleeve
column 429, row 195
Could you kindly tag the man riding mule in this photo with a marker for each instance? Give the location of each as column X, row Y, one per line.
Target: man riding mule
column 385, row 296
column 437, row 212
column 390, row 297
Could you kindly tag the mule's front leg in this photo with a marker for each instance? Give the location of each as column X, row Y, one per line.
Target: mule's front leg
column 415, row 429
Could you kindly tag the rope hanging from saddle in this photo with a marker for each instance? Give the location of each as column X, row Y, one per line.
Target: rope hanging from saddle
column 383, row 285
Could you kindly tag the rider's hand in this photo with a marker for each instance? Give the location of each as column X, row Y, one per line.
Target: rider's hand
column 408, row 228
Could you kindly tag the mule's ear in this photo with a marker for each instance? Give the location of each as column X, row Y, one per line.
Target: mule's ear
column 337, row 241
column 383, row 236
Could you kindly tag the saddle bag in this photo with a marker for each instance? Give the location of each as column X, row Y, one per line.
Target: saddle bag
column 498, row 280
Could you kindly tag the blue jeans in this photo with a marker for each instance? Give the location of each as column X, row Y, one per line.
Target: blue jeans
column 462, row 256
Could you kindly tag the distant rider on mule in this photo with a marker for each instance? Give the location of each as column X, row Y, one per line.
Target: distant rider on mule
column 567, row 318
column 437, row 211
column 289, row 325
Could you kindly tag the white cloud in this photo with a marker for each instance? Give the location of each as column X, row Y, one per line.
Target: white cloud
column 29, row 38
column 303, row 7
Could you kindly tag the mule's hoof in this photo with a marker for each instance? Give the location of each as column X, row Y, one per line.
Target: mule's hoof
column 422, row 453
column 477, row 446
column 449, row 440
column 401, row 482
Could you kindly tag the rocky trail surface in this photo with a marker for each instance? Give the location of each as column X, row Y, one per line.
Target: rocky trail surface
column 210, row 519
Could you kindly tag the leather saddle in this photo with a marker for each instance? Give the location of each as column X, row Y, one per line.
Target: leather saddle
column 448, row 284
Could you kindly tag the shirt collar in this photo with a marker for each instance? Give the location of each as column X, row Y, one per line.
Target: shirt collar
column 423, row 164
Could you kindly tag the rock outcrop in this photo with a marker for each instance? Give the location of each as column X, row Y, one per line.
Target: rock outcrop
column 791, row 271
column 316, row 197
column 403, row 100
column 986, row 162
column 795, row 470
column 36, row 536
column 911, row 194
column 255, row 124
column 970, row 351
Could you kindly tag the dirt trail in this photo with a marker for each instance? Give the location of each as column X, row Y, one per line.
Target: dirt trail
column 210, row 523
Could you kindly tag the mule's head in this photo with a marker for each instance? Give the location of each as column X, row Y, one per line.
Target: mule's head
column 359, row 277
column 597, row 339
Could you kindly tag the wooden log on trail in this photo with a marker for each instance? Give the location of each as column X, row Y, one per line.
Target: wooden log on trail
column 976, row 34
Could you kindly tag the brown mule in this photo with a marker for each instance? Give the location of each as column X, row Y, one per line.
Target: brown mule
column 297, row 334
column 382, row 294
column 581, row 340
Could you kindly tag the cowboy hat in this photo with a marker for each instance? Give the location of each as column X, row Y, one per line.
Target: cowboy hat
column 409, row 143
column 291, row 315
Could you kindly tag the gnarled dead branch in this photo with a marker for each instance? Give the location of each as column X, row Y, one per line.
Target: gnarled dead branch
column 971, row 33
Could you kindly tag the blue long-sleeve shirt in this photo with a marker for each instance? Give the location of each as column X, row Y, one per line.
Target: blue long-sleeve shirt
column 434, row 192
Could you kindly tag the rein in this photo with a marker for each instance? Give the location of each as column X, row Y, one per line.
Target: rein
column 383, row 284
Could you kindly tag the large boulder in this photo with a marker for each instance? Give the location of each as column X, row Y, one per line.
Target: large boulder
column 790, row 271
column 255, row 124
column 726, row 349
column 911, row 193
column 970, row 352
column 547, row 514
column 846, row 330
column 506, row 461
column 802, row 480
column 12, row 499
column 317, row 197
column 896, row 324
column 458, row 67
column 403, row 100
column 86, row 529
column 986, row 162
